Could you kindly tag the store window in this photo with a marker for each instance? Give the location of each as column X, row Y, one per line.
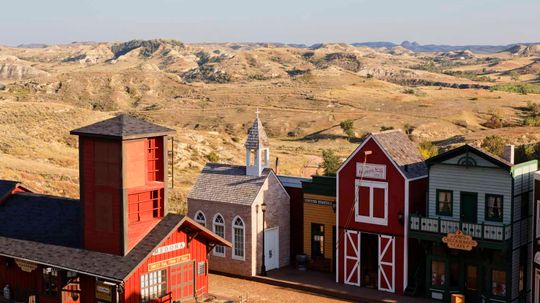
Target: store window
column 238, row 238
column 50, row 281
column 438, row 273
column 498, row 283
column 472, row 277
column 494, row 207
column 317, row 240
column 219, row 229
column 200, row 218
column 153, row 285
column 444, row 202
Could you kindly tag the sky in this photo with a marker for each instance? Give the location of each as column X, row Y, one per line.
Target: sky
column 454, row 22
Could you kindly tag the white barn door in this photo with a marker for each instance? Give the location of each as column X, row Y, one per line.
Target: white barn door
column 271, row 247
column 387, row 258
column 351, row 264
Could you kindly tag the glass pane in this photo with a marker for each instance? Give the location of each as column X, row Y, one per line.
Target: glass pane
column 472, row 277
column 498, row 283
column 438, row 273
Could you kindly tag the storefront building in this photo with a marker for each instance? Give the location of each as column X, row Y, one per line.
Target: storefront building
column 118, row 242
column 536, row 240
column 378, row 186
column 476, row 233
column 320, row 222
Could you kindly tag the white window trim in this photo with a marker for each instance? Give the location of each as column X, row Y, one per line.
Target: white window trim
column 370, row 219
column 214, row 251
column 199, row 212
column 234, row 256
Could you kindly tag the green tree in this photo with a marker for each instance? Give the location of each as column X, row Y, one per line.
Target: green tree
column 348, row 127
column 494, row 144
column 331, row 162
column 212, row 157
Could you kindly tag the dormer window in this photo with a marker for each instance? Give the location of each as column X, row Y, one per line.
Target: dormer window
column 444, row 202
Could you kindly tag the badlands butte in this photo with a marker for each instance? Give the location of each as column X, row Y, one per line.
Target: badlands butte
column 209, row 93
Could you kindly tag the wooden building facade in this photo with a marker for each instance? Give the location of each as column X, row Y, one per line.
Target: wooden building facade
column 118, row 243
column 476, row 233
column 535, row 270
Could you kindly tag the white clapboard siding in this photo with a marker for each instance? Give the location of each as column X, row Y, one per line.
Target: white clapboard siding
column 473, row 179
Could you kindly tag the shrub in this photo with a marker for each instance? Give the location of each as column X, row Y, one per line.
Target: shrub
column 428, row 149
column 212, row 157
column 331, row 162
column 494, row 144
column 384, row 128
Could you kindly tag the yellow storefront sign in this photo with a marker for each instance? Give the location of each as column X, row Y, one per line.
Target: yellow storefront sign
column 458, row 240
column 169, row 262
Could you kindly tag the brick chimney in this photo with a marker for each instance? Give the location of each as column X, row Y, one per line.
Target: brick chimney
column 509, row 153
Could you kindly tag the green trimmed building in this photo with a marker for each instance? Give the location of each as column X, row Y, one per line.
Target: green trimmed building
column 489, row 199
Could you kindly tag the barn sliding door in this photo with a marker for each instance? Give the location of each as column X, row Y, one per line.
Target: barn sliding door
column 387, row 259
column 352, row 258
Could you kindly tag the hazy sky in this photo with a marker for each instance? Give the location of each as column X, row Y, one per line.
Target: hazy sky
column 293, row 21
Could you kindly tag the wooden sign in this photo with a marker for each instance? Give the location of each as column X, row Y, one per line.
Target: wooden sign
column 169, row 262
column 372, row 171
column 458, row 240
column 103, row 291
column 26, row 266
column 169, row 248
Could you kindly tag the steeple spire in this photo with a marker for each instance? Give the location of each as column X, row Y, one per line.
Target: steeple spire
column 257, row 148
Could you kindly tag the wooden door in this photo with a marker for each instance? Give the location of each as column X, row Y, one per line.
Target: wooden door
column 387, row 256
column 472, row 283
column 469, row 207
column 351, row 260
column 182, row 280
column 271, row 247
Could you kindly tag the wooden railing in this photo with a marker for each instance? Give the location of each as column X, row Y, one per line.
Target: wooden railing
column 478, row 231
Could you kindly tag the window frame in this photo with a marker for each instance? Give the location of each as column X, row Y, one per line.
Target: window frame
column 486, row 214
column 313, row 224
column 444, row 283
column 233, row 229
column 493, row 270
column 437, row 204
column 214, row 224
column 162, row 273
column 200, row 212
column 371, row 185
column 50, row 275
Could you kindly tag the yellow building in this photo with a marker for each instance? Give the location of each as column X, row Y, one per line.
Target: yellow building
column 320, row 222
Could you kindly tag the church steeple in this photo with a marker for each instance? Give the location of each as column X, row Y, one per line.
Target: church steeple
column 257, row 149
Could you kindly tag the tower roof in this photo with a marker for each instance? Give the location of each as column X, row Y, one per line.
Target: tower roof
column 122, row 127
column 257, row 137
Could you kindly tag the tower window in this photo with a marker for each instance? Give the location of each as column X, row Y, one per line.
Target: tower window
column 252, row 156
column 154, row 159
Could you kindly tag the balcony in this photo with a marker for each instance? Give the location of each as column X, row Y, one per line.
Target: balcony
column 439, row 227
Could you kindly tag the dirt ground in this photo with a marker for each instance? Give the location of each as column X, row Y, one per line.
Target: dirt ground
column 238, row 289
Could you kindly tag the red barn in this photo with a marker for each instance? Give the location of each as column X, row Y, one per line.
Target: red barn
column 379, row 185
column 118, row 243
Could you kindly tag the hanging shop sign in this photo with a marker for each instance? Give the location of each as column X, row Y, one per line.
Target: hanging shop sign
column 169, row 262
column 169, row 248
column 103, row 291
column 26, row 266
column 459, row 240
column 372, row 171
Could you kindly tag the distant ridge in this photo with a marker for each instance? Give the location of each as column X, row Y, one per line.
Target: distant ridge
column 416, row 47
column 32, row 45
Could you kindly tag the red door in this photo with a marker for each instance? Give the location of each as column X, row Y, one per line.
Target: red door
column 183, row 280
column 352, row 258
column 387, row 263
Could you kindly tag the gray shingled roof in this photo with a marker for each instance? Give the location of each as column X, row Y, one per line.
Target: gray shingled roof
column 403, row 152
column 41, row 218
column 227, row 183
column 472, row 148
column 257, row 137
column 122, row 127
column 104, row 265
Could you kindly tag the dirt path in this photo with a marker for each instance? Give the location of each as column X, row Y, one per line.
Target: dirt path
column 238, row 289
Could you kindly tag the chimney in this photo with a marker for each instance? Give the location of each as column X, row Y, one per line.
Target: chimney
column 509, row 153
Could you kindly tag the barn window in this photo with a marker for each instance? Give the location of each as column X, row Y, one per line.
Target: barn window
column 200, row 218
column 371, row 202
column 219, row 229
column 153, row 285
column 494, row 207
column 238, row 239
column 50, row 282
column 444, row 202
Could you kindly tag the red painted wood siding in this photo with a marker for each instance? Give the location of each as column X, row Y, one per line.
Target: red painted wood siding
column 396, row 193
column 96, row 237
column 197, row 251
